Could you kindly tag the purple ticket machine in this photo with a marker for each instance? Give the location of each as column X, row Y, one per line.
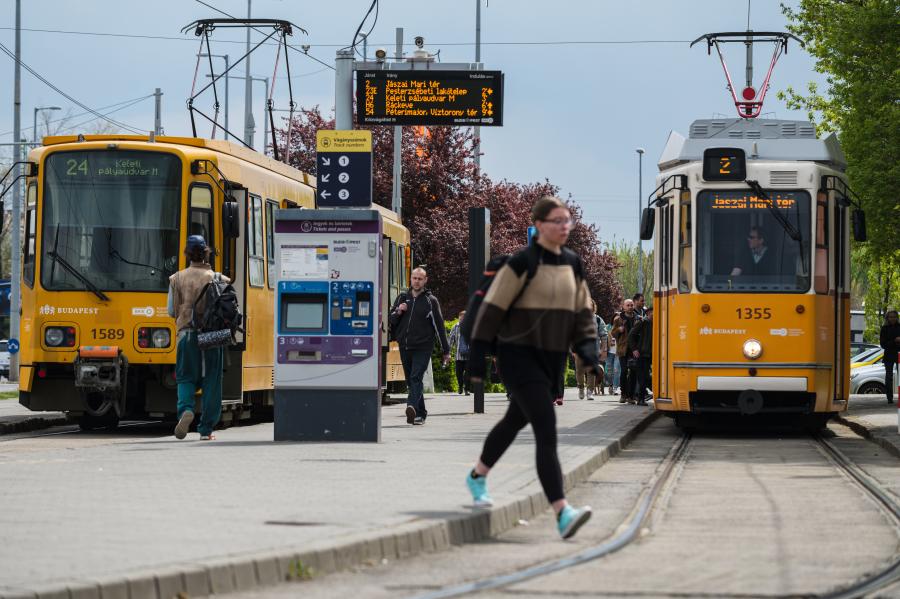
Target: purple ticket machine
column 327, row 325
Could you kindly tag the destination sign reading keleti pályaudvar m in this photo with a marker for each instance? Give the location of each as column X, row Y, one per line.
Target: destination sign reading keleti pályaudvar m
column 429, row 98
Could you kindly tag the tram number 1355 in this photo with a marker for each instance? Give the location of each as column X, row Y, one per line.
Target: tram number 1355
column 108, row 333
column 754, row 313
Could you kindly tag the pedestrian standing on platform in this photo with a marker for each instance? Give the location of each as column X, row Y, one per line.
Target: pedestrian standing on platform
column 638, row 299
column 640, row 348
column 890, row 342
column 533, row 332
column 621, row 327
column 584, row 375
column 612, row 360
column 417, row 321
column 195, row 368
column 460, row 351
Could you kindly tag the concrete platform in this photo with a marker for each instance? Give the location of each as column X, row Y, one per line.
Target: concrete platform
column 139, row 514
column 874, row 418
column 16, row 418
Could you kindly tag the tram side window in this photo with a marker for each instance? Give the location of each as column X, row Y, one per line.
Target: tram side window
column 200, row 217
column 255, row 243
column 30, row 221
column 271, row 205
column 743, row 246
column 685, row 250
column 821, row 272
column 393, row 290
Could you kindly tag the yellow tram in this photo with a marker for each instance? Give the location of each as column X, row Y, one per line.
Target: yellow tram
column 751, row 227
column 106, row 220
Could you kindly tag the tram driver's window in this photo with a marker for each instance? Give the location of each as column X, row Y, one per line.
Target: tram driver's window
column 746, row 245
column 821, row 265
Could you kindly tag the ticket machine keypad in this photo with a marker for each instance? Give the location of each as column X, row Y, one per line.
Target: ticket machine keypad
column 351, row 307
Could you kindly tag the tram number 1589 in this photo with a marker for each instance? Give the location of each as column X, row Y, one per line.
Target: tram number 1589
column 108, row 333
column 754, row 313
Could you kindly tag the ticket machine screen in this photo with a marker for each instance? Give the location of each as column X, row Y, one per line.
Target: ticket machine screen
column 303, row 313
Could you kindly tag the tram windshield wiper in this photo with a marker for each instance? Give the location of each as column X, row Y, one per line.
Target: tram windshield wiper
column 74, row 272
column 114, row 253
column 789, row 228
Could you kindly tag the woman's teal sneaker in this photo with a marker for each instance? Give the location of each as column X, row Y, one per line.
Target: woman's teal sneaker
column 478, row 488
column 570, row 519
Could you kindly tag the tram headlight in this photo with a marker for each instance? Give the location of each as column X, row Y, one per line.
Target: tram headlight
column 161, row 338
column 59, row 336
column 752, row 349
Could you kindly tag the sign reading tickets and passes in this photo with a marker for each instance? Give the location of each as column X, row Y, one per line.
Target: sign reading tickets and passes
column 343, row 169
column 429, row 98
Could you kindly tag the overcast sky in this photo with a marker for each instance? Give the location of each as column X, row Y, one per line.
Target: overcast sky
column 574, row 113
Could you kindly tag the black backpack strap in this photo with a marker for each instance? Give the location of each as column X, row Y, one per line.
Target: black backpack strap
column 194, row 305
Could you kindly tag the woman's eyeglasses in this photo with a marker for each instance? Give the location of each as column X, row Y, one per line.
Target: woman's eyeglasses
column 558, row 221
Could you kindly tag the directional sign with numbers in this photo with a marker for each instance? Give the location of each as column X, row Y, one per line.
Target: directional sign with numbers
column 343, row 169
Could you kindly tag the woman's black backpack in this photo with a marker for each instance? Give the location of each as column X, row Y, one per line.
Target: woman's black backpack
column 222, row 316
column 490, row 271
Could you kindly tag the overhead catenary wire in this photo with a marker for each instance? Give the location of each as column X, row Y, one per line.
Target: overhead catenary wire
column 338, row 45
column 128, row 104
column 46, row 82
column 230, row 16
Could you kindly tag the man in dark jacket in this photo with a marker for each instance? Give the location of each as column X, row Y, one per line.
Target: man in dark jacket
column 890, row 341
column 640, row 347
column 416, row 320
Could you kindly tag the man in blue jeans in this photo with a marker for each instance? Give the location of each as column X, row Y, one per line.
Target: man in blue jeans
column 416, row 320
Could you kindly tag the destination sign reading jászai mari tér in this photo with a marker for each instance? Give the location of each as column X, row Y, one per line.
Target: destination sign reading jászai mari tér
column 429, row 98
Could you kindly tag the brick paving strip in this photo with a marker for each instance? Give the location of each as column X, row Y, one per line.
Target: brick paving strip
column 152, row 517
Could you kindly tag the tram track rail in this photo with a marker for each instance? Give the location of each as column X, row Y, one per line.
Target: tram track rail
column 631, row 529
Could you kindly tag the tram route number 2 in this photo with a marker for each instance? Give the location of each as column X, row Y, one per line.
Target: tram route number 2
column 754, row 313
column 108, row 333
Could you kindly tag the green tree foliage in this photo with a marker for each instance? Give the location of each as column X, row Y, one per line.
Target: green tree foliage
column 626, row 255
column 856, row 44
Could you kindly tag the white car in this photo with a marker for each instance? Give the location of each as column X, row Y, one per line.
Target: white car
column 868, row 379
column 4, row 359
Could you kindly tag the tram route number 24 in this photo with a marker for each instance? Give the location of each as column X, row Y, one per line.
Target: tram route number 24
column 754, row 313
column 108, row 333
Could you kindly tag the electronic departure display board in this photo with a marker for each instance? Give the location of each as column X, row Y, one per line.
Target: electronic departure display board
column 724, row 164
column 429, row 98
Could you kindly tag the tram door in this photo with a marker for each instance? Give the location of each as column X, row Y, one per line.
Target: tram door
column 664, row 300
column 841, row 300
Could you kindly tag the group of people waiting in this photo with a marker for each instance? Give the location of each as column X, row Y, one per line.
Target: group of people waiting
column 632, row 330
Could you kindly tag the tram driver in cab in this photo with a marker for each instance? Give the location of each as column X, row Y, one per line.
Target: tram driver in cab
column 756, row 259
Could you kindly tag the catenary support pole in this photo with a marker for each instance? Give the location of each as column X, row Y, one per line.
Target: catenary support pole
column 640, row 281
column 249, row 125
column 16, row 242
column 477, row 133
column 397, row 192
column 157, row 112
column 343, row 90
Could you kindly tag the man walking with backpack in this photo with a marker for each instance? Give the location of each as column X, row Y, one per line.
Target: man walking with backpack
column 416, row 320
column 195, row 367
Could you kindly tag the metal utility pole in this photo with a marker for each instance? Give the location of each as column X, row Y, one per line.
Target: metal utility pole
column 16, row 242
column 343, row 90
column 397, row 194
column 640, row 282
column 249, row 125
column 157, row 112
column 34, row 130
column 477, row 145
column 227, row 85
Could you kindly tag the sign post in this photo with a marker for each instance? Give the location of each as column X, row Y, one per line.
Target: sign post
column 343, row 169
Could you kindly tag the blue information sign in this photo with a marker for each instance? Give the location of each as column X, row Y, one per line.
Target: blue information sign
column 12, row 346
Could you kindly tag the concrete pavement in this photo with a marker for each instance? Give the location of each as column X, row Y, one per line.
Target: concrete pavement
column 139, row 514
column 15, row 418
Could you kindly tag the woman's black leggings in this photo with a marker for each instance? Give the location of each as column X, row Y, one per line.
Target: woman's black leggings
column 531, row 402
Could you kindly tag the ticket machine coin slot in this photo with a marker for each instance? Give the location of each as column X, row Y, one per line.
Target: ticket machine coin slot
column 304, row 356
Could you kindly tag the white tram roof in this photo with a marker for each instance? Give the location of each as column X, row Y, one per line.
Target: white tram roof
column 761, row 139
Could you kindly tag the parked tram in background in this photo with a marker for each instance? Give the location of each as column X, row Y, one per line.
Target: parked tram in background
column 751, row 224
column 106, row 221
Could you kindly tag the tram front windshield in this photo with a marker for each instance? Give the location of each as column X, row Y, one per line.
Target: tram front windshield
column 743, row 247
column 113, row 217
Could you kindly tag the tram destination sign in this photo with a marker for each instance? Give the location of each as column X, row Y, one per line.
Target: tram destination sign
column 429, row 98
